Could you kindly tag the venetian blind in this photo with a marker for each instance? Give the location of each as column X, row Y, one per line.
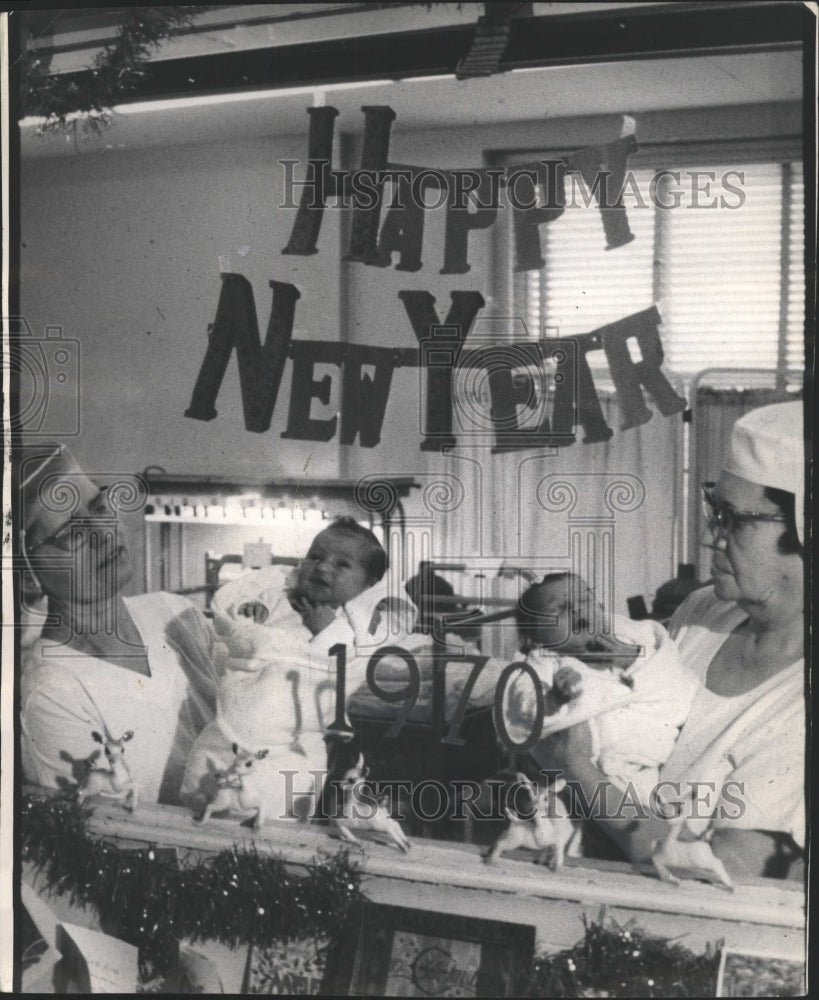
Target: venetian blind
column 728, row 279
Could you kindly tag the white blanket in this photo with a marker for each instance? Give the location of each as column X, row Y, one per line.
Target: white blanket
column 278, row 690
column 634, row 725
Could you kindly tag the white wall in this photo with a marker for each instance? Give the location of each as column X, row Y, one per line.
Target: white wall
column 121, row 250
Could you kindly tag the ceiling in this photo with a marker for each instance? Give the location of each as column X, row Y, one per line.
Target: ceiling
column 436, row 102
column 73, row 36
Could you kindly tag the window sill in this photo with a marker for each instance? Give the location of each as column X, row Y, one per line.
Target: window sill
column 451, row 877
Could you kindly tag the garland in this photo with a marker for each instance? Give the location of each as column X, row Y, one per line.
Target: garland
column 615, row 961
column 241, row 897
column 67, row 101
column 151, row 899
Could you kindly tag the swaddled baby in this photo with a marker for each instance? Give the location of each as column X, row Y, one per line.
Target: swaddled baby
column 628, row 684
column 278, row 687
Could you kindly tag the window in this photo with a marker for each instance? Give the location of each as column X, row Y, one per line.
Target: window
column 728, row 280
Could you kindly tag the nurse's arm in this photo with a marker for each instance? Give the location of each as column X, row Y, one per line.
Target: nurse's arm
column 634, row 828
column 756, row 853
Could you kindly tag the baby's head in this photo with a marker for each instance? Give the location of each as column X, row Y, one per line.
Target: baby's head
column 560, row 613
column 342, row 561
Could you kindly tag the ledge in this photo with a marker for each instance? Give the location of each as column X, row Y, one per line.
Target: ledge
column 767, row 902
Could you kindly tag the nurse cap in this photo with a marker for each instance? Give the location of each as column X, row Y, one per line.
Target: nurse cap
column 768, row 447
column 36, row 461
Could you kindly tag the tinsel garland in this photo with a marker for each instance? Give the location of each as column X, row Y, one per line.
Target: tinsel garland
column 68, row 100
column 241, row 897
column 624, row 961
column 238, row 896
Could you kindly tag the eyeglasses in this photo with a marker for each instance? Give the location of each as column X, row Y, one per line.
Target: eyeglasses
column 72, row 536
column 720, row 515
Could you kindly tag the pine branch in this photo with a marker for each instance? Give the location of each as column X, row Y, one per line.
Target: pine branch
column 69, row 101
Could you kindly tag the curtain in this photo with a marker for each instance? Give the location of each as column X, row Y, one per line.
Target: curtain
column 606, row 510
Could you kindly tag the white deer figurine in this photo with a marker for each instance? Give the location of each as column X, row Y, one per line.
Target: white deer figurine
column 236, row 791
column 690, row 858
column 114, row 781
column 547, row 828
column 361, row 811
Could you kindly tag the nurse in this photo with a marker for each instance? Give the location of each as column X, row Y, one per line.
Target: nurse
column 738, row 768
column 104, row 662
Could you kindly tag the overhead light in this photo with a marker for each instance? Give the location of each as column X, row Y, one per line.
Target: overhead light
column 208, row 100
column 426, row 79
column 546, row 69
column 318, row 93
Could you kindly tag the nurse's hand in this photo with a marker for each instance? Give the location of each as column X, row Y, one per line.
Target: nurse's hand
column 570, row 752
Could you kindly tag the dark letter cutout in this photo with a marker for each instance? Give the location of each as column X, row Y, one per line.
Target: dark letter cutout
column 550, row 176
column 307, row 354
column 628, row 375
column 322, row 183
column 403, row 229
column 318, row 185
column 440, row 346
column 588, row 409
column 364, row 236
column 364, row 398
column 260, row 367
column 459, row 222
column 589, row 164
column 508, row 391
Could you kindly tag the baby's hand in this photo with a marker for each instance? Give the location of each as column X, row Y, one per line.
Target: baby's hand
column 315, row 616
column 567, row 684
column 255, row 610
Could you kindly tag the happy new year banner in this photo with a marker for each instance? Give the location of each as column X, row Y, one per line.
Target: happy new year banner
column 551, row 376
column 602, row 169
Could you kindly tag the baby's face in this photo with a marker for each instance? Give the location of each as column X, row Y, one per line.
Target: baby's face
column 570, row 605
column 334, row 570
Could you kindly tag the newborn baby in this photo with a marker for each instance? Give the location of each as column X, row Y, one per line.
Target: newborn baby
column 629, row 684
column 278, row 689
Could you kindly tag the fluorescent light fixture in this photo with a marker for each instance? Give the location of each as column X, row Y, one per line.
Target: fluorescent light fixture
column 212, row 100
column 426, row 79
column 541, row 69
column 209, row 100
column 318, row 92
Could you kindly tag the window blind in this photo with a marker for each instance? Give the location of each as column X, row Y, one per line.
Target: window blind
column 729, row 281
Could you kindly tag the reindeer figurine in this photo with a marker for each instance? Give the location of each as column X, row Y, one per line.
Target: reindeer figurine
column 360, row 811
column 695, row 858
column 114, row 781
column 548, row 830
column 236, row 791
